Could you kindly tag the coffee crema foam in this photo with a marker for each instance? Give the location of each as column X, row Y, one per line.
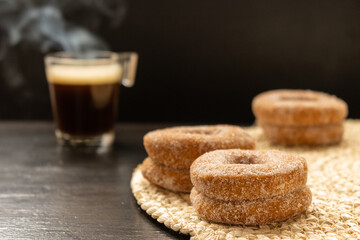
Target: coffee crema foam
column 84, row 75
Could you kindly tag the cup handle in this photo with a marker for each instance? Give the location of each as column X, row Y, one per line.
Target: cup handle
column 129, row 63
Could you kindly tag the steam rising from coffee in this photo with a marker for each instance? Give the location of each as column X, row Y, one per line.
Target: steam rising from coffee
column 52, row 25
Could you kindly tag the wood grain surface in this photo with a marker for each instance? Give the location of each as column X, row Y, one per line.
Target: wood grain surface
column 48, row 193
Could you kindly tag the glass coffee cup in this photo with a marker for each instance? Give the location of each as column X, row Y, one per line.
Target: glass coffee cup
column 84, row 91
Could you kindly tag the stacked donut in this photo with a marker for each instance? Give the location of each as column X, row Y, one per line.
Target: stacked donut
column 249, row 186
column 172, row 151
column 300, row 117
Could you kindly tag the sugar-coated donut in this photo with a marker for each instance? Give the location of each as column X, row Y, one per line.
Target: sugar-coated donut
column 179, row 146
column 247, row 174
column 177, row 180
column 252, row 212
column 300, row 117
column 298, row 107
column 304, row 135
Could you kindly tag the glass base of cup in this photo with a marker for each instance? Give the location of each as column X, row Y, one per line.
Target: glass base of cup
column 100, row 143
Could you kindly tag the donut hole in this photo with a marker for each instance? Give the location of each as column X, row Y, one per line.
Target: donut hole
column 247, row 160
column 201, row 131
column 298, row 98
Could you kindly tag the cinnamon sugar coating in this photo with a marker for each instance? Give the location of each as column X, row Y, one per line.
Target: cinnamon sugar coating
column 252, row 212
column 178, row 147
column 247, row 174
column 298, row 107
column 304, row 135
column 177, row 180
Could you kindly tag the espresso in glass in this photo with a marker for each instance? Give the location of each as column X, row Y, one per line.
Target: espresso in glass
column 84, row 96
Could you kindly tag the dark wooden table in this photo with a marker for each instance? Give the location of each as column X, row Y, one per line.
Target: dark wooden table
column 46, row 193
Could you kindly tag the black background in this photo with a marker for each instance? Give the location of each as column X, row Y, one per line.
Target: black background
column 203, row 61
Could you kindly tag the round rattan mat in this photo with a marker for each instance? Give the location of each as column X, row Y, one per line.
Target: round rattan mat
column 334, row 178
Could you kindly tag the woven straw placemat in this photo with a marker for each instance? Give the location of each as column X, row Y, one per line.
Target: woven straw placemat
column 334, row 178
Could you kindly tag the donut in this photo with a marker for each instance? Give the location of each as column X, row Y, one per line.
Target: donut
column 177, row 180
column 178, row 147
column 304, row 135
column 172, row 150
column 298, row 107
column 252, row 212
column 235, row 174
column 300, row 117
